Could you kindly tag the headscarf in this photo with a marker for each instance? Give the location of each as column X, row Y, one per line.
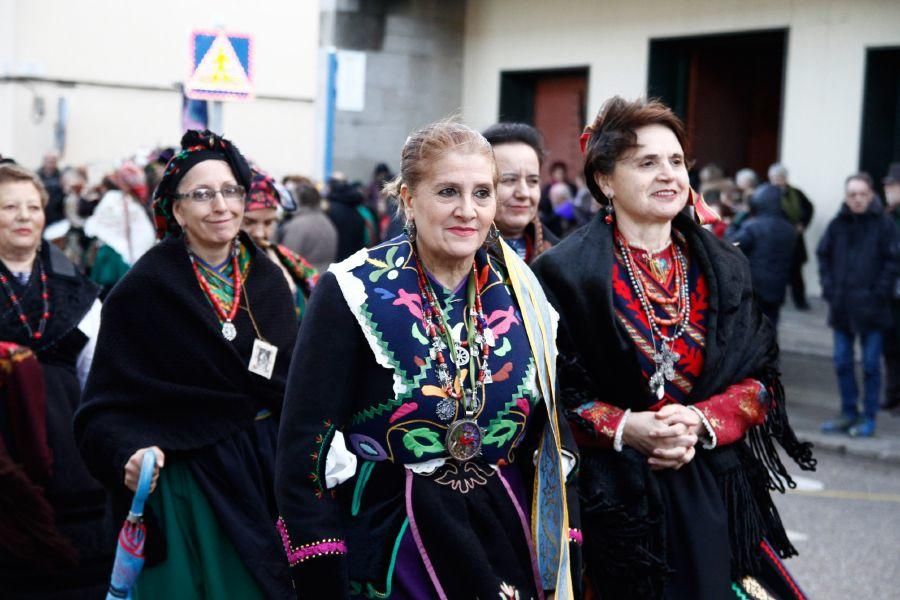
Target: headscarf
column 263, row 193
column 196, row 147
column 131, row 180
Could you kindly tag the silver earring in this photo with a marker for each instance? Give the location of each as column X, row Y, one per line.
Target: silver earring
column 410, row 230
column 493, row 236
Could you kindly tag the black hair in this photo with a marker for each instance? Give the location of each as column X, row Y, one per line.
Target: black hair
column 512, row 133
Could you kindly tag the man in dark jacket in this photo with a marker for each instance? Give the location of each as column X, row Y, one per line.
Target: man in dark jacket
column 892, row 338
column 858, row 265
column 354, row 222
column 767, row 238
column 799, row 211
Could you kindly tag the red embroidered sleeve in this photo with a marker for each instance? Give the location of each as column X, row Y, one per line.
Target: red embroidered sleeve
column 595, row 423
column 734, row 411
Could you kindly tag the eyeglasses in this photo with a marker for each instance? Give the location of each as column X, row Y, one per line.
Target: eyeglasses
column 203, row 194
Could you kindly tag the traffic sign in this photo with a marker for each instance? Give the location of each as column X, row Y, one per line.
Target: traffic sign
column 221, row 66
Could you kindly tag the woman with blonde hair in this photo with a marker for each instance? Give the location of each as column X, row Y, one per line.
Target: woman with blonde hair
column 436, row 359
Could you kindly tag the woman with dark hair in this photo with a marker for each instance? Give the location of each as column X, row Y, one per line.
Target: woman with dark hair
column 56, row 532
column 191, row 361
column 519, row 153
column 669, row 374
column 435, row 358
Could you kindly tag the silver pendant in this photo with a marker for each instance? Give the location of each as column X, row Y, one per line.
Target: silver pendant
column 436, row 347
column 446, row 409
column 229, row 330
column 489, row 337
column 462, row 356
column 665, row 359
column 464, row 438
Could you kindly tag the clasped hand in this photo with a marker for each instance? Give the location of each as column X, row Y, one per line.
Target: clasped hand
column 667, row 437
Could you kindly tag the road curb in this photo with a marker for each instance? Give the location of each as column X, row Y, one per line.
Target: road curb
column 883, row 450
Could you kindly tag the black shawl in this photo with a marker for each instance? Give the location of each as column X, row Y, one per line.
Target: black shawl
column 597, row 360
column 164, row 375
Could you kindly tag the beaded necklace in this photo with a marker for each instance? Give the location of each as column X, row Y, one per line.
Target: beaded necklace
column 229, row 331
column 464, row 435
column 664, row 357
column 23, row 318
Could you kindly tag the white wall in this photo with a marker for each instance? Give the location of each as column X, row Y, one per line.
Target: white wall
column 821, row 120
column 147, row 44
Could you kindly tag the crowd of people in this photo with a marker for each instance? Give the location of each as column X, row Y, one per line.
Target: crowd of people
column 459, row 381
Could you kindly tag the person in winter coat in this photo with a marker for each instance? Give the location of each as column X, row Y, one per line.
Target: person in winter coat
column 858, row 264
column 767, row 238
column 354, row 222
column 799, row 210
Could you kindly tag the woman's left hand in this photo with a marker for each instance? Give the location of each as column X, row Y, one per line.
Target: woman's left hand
column 681, row 454
column 678, row 413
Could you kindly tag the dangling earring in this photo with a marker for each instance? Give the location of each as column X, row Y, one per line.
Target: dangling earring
column 493, row 236
column 409, row 229
column 610, row 213
column 235, row 246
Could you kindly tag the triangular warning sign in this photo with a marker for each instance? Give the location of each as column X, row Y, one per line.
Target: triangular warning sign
column 220, row 72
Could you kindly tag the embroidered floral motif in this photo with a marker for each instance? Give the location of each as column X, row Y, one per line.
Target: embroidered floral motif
column 423, row 441
column 389, row 266
column 296, row 556
column 508, row 592
column 462, row 477
column 741, row 406
column 322, row 440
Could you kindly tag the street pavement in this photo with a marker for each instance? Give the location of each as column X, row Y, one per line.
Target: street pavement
column 811, row 388
column 843, row 518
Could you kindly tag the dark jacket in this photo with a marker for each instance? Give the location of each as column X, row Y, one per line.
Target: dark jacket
column 354, row 222
column 799, row 211
column 768, row 240
column 858, row 265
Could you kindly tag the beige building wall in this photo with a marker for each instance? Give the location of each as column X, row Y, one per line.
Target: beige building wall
column 827, row 40
column 135, row 53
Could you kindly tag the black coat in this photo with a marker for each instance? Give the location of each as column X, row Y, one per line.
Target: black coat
column 858, row 265
column 345, row 206
column 768, row 240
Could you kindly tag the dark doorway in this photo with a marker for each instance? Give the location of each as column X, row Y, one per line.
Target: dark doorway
column 880, row 144
column 555, row 102
column 728, row 90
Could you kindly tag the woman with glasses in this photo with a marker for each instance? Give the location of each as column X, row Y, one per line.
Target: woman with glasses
column 191, row 361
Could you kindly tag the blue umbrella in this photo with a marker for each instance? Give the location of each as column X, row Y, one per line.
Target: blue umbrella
column 130, row 552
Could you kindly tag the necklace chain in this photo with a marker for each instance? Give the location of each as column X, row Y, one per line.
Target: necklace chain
column 684, row 298
column 20, row 311
column 436, row 328
column 226, row 316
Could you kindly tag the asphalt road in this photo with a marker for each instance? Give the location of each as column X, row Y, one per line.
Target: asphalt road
column 844, row 519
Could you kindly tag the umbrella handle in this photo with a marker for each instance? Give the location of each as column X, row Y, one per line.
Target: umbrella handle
column 143, row 487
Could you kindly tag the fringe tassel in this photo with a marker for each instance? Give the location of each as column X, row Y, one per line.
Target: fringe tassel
column 628, row 554
column 778, row 427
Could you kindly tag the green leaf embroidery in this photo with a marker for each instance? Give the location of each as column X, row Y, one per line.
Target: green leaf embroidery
column 423, row 441
column 500, row 432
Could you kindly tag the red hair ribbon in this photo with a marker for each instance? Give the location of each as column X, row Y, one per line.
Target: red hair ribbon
column 703, row 212
column 583, row 140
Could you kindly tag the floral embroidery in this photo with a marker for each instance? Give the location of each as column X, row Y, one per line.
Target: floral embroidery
column 322, row 441
column 463, row 481
column 423, row 441
column 306, row 551
column 737, row 409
